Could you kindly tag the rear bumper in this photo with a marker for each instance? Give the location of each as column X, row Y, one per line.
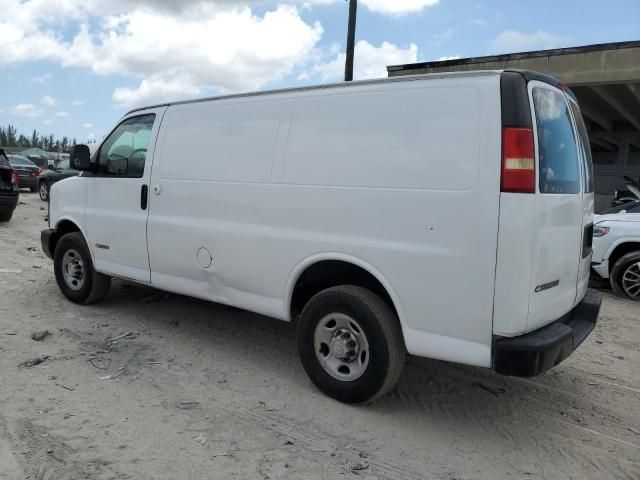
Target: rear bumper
column 47, row 239
column 28, row 182
column 8, row 201
column 538, row 351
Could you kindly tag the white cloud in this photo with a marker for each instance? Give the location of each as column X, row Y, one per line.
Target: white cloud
column 26, row 110
column 370, row 61
column 511, row 41
column 44, row 78
column 441, row 38
column 156, row 89
column 388, row 7
column 77, row 103
column 398, row 7
column 87, row 125
column 220, row 45
column 448, row 57
column 62, row 114
column 48, row 101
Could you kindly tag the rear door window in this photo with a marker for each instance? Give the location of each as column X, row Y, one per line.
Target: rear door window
column 558, row 152
column 585, row 147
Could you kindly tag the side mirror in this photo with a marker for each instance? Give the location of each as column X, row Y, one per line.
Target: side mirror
column 81, row 158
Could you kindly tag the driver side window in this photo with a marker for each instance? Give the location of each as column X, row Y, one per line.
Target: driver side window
column 124, row 152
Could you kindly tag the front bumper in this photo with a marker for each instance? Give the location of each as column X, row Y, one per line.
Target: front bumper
column 536, row 352
column 47, row 239
column 602, row 268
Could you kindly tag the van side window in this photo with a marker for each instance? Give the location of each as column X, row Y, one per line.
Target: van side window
column 585, row 146
column 124, row 152
column 559, row 167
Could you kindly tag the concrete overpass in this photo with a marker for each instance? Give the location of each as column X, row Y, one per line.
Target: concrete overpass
column 606, row 81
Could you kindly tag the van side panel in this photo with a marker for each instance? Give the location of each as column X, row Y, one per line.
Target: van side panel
column 404, row 177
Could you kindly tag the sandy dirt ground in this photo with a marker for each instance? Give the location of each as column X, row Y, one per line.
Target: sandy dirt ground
column 193, row 390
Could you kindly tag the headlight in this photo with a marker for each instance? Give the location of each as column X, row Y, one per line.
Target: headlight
column 599, row 231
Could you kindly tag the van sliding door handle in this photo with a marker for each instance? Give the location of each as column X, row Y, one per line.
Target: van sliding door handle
column 144, row 196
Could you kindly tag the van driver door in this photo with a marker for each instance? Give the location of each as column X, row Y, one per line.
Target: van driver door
column 118, row 197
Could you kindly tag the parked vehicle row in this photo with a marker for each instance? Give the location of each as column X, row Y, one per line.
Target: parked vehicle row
column 60, row 170
column 346, row 207
column 38, row 179
column 9, row 189
column 27, row 170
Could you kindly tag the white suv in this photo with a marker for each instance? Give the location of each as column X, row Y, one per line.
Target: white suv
column 616, row 249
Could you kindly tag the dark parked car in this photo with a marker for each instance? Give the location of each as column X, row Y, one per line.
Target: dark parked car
column 27, row 170
column 9, row 191
column 61, row 170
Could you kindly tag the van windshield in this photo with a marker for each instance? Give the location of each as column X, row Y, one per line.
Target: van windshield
column 559, row 167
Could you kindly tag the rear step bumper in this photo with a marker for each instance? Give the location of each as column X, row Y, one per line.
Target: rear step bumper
column 536, row 352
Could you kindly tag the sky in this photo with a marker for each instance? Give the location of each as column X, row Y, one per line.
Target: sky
column 74, row 67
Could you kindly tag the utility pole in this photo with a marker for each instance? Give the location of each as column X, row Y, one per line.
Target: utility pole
column 351, row 40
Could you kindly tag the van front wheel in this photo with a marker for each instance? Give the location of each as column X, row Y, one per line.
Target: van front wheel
column 350, row 344
column 75, row 275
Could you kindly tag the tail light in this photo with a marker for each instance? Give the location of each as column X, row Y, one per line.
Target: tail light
column 35, row 173
column 15, row 177
column 518, row 161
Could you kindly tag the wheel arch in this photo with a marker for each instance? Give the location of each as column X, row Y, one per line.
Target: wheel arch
column 338, row 269
column 66, row 225
column 621, row 248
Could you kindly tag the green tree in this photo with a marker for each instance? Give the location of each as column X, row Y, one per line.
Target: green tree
column 35, row 139
column 23, row 141
column 12, row 136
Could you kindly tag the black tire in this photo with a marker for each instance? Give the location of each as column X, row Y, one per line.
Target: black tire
column 95, row 285
column 382, row 329
column 43, row 191
column 6, row 215
column 627, row 264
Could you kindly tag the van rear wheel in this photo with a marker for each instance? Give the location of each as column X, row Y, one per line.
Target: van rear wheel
column 350, row 344
column 625, row 276
column 75, row 275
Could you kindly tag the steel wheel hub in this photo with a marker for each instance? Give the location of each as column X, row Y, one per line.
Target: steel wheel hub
column 631, row 281
column 73, row 270
column 341, row 347
column 344, row 345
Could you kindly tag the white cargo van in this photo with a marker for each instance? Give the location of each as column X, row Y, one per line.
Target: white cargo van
column 446, row 216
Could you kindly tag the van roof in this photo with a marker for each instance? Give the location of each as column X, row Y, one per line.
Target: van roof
column 407, row 78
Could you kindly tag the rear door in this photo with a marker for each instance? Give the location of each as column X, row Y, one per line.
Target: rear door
column 560, row 216
column 588, row 199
